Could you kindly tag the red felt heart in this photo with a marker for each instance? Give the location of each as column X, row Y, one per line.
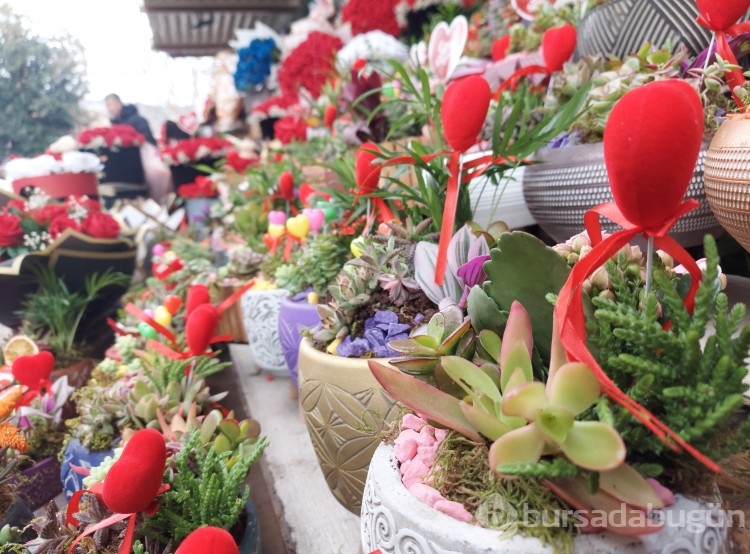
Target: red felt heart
column 133, row 481
column 500, row 48
column 286, row 185
column 305, row 191
column 558, row 45
column 367, row 173
column 32, row 371
column 329, row 116
column 197, row 295
column 651, row 143
column 464, row 109
column 720, row 14
column 172, row 303
column 208, row 540
column 201, row 327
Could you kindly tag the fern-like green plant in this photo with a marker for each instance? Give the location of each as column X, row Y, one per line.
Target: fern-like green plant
column 316, row 266
column 204, row 490
column 54, row 314
column 686, row 368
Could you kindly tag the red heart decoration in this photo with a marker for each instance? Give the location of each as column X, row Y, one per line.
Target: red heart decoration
column 649, row 171
column 286, row 185
column 172, row 303
column 721, row 14
column 367, row 174
column 268, row 241
column 208, row 540
column 558, row 45
column 304, row 192
column 329, row 116
column 32, row 371
column 133, row 481
column 201, row 327
column 464, row 109
column 197, row 295
column 188, row 123
column 500, row 48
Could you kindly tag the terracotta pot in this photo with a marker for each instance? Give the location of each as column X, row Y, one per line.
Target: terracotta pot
column 260, row 314
column 339, row 398
column 727, row 178
column 571, row 180
column 395, row 521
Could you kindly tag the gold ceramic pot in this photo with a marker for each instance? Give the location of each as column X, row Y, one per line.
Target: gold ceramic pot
column 727, row 178
column 340, row 398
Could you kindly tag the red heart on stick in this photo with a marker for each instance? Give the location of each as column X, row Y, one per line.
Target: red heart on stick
column 720, row 14
column 649, row 170
column 286, row 185
column 500, row 48
column 32, row 371
column 367, row 173
column 133, row 481
column 208, row 540
column 464, row 109
column 197, row 296
column 329, row 116
column 558, row 45
column 200, row 328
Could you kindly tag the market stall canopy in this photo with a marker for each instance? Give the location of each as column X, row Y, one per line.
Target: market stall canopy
column 203, row 27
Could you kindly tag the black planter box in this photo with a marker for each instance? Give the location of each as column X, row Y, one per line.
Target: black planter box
column 121, row 166
column 184, row 174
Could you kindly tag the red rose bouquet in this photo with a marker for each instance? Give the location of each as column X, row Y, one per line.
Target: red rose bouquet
column 192, row 150
column 34, row 224
column 309, row 65
column 203, row 187
column 113, row 138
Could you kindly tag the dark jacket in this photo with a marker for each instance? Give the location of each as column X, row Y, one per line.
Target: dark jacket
column 129, row 116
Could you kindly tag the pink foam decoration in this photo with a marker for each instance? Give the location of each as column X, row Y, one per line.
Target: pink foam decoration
column 454, row 509
column 405, row 450
column 427, row 454
column 426, row 436
column 414, row 473
column 426, row 494
column 440, row 435
column 664, row 494
column 411, row 421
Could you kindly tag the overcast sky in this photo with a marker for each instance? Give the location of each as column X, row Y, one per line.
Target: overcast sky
column 117, row 40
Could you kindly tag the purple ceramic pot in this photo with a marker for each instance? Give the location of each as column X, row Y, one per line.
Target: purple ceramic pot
column 295, row 314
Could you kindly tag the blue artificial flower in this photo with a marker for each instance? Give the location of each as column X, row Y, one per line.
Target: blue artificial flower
column 254, row 64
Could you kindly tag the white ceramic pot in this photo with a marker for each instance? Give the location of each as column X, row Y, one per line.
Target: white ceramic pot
column 396, row 522
column 260, row 315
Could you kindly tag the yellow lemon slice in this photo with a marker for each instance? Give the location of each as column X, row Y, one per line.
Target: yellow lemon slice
column 18, row 346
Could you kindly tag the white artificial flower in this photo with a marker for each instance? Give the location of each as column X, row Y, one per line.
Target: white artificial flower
column 81, row 162
column 375, row 45
column 21, row 168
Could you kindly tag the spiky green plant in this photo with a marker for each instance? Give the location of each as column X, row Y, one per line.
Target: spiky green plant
column 316, row 266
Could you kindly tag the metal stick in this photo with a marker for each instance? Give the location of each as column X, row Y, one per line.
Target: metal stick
column 649, row 264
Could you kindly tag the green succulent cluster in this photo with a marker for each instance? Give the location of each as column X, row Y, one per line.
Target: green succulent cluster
column 101, row 412
column 379, row 266
column 689, row 373
column 317, row 265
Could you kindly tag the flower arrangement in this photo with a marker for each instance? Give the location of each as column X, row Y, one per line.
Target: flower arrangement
column 33, row 224
column 113, row 138
column 290, row 129
column 192, row 150
column 365, row 17
column 309, row 65
column 254, row 65
column 203, row 187
column 68, row 162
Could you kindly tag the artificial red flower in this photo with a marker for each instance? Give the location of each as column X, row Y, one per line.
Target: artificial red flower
column 310, row 65
column 116, row 136
column 203, row 187
column 239, row 163
column 366, row 15
column 63, row 222
column 10, row 230
column 46, row 214
column 100, row 225
column 289, row 129
column 195, row 149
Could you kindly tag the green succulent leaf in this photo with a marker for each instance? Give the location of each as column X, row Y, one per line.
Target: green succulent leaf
column 555, row 423
column 491, row 344
column 487, row 424
column 594, row 445
column 517, row 358
column 421, row 365
column 525, row 401
column 522, row 445
column 483, row 311
column 627, row 485
column 573, row 387
column 473, row 380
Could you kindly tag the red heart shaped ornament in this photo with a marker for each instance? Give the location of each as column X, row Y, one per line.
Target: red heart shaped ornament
column 133, row 481
column 32, row 371
column 200, row 328
column 500, row 48
column 208, row 540
column 463, row 111
column 558, row 45
column 366, row 173
column 721, row 14
column 286, row 185
column 651, row 144
column 197, row 296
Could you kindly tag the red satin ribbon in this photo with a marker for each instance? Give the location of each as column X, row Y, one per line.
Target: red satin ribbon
column 471, row 170
column 127, row 542
column 735, row 77
column 512, row 81
column 571, row 320
column 289, row 244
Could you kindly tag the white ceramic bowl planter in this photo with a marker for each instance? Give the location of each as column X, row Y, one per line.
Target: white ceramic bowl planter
column 396, row 522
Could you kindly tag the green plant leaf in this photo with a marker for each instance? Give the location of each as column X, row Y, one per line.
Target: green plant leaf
column 483, row 311
column 472, row 379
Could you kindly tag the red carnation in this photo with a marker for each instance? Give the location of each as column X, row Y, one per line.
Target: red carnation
column 10, row 230
column 100, row 225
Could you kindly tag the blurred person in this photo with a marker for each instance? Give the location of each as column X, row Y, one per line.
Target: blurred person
column 127, row 114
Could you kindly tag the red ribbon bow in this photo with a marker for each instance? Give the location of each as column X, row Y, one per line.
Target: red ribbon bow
column 649, row 173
